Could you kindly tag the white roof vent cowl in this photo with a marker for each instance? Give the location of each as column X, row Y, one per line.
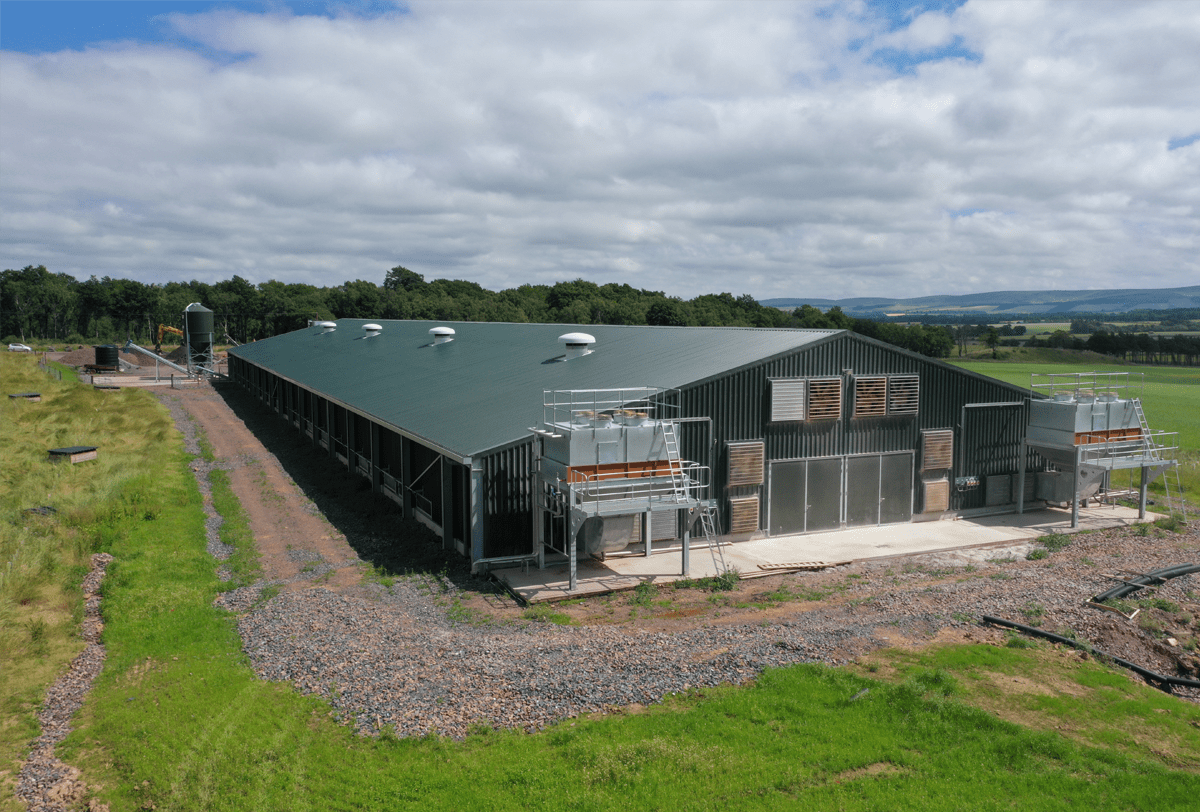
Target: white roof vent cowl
column 441, row 334
column 327, row 326
column 578, row 344
column 372, row 330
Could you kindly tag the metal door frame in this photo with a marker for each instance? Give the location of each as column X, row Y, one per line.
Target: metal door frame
column 806, row 460
column 844, row 495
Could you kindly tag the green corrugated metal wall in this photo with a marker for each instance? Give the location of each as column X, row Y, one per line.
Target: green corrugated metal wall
column 739, row 404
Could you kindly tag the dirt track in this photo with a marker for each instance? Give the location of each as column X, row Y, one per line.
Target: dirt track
column 288, row 528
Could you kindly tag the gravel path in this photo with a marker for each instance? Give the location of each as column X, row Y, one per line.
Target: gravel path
column 395, row 657
column 45, row 783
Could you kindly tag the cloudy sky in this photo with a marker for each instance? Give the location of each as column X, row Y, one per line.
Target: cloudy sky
column 809, row 149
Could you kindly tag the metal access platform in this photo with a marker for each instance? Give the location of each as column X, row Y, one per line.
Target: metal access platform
column 609, row 470
column 1090, row 425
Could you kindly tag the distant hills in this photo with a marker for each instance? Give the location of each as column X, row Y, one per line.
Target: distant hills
column 1013, row 302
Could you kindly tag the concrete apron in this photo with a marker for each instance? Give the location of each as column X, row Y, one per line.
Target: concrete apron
column 964, row 538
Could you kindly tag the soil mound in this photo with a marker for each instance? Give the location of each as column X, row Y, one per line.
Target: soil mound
column 87, row 355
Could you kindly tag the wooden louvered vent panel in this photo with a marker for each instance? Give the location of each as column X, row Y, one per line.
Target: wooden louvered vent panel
column 937, row 449
column 825, row 399
column 904, row 392
column 787, row 399
column 743, row 514
column 937, row 496
column 745, row 463
column 870, row 397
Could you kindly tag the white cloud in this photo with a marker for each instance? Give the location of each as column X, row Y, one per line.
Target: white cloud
column 692, row 147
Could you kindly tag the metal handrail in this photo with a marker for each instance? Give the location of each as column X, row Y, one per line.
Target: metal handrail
column 1086, row 383
column 1150, row 446
column 560, row 406
column 422, row 503
column 660, row 488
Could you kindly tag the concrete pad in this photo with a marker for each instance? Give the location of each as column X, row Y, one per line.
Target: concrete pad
column 972, row 538
column 142, row 381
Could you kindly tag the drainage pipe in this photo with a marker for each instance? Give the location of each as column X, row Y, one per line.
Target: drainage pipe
column 1148, row 675
column 1149, row 579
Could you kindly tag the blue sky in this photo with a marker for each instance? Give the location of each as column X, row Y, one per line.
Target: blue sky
column 41, row 26
column 780, row 149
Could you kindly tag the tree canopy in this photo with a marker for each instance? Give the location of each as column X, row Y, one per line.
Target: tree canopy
column 37, row 304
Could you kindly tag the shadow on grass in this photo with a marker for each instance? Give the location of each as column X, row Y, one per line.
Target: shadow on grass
column 372, row 523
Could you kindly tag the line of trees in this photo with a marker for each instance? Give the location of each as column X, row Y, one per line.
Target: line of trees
column 1168, row 319
column 38, row 305
column 1143, row 348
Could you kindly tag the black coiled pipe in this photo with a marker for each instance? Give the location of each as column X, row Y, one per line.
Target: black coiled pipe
column 1150, row 676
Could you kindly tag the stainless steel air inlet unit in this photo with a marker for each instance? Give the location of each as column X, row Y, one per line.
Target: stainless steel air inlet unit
column 441, row 335
column 372, row 330
column 326, row 326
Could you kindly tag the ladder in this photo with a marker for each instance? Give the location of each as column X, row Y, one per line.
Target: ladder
column 1176, row 504
column 674, row 463
column 1147, row 444
column 708, row 523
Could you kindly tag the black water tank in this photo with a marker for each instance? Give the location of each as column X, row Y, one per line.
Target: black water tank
column 108, row 355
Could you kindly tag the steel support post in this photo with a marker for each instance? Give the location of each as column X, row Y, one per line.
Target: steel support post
column 1021, row 479
column 1075, row 489
column 573, row 582
column 685, row 517
column 329, row 432
column 646, row 531
column 376, row 472
column 447, row 503
column 1142, row 488
column 406, row 466
column 475, row 506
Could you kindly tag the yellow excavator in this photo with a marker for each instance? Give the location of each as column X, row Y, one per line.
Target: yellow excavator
column 163, row 329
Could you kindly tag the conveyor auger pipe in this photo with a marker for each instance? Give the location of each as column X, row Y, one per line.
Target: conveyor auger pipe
column 129, row 345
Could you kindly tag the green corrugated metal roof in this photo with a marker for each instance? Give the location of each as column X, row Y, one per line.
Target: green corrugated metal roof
column 484, row 389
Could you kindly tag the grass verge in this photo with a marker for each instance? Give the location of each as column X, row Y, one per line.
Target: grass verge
column 53, row 517
column 243, row 565
column 1056, row 690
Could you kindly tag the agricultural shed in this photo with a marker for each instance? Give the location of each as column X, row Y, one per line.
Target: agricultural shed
column 798, row 431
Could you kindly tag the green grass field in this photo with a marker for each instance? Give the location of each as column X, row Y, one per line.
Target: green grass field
column 179, row 721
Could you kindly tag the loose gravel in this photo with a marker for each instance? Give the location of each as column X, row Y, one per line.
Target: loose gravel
column 395, row 657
